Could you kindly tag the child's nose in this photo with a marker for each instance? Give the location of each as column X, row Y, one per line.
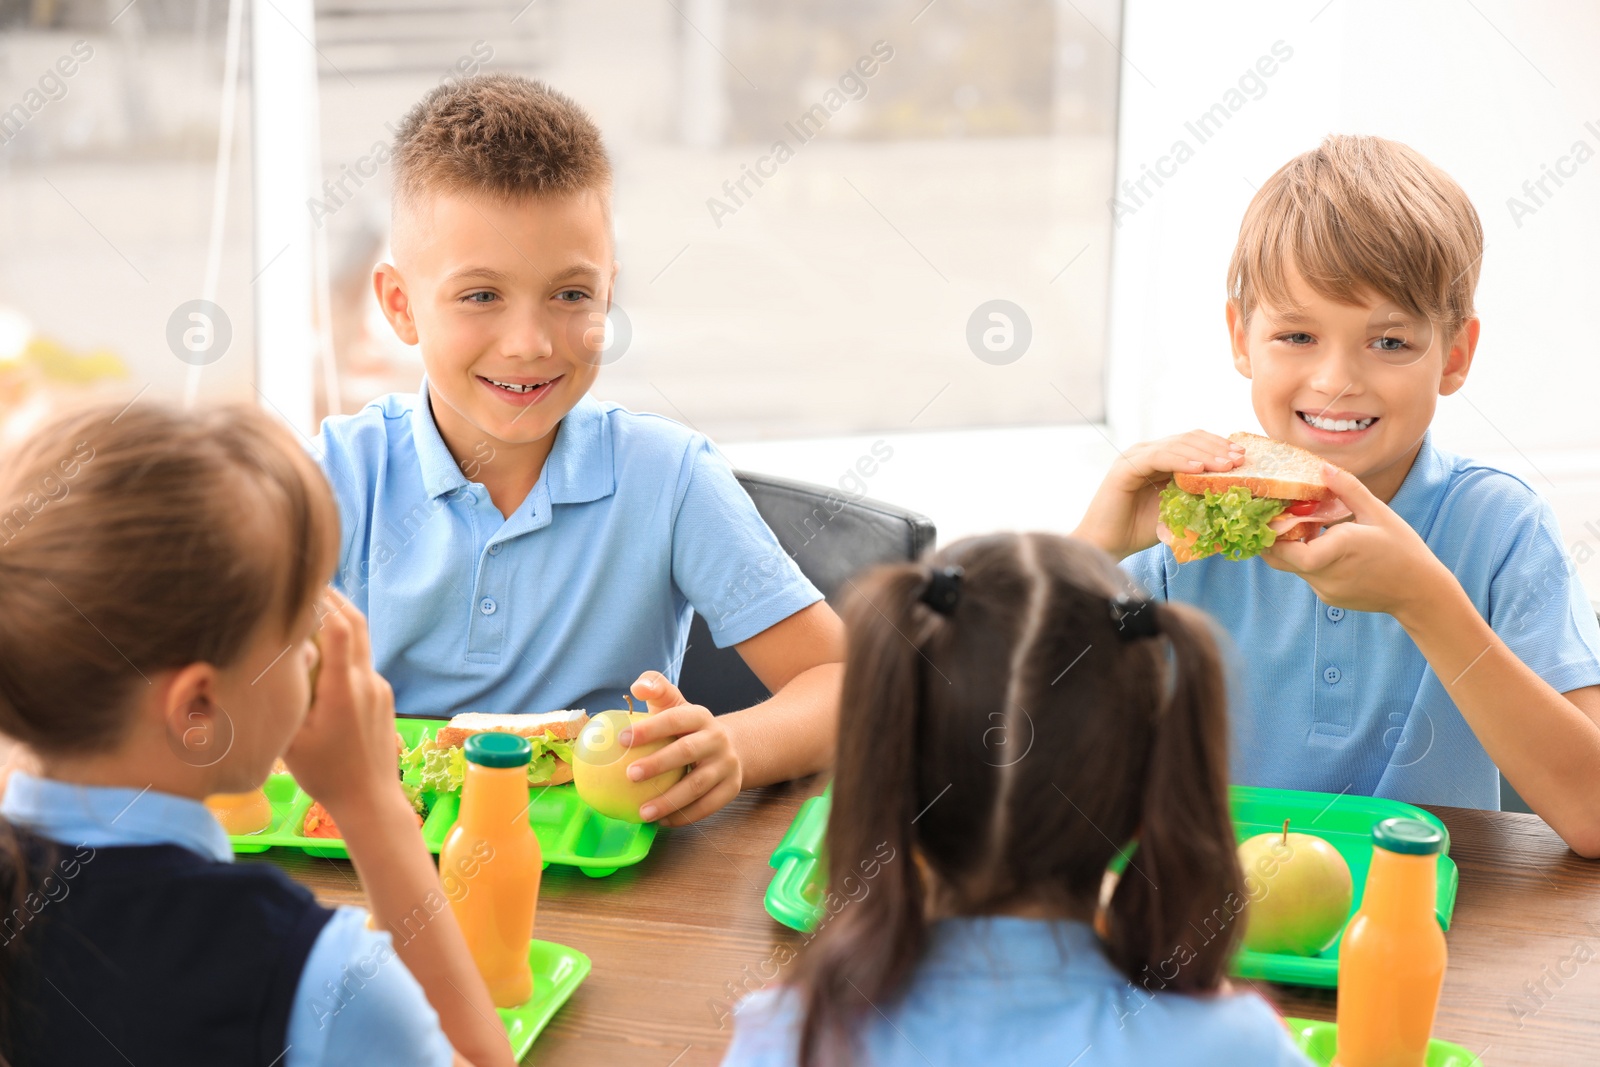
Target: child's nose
column 530, row 337
column 1338, row 371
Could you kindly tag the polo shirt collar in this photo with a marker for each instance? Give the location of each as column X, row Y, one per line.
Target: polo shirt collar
column 103, row 816
column 580, row 467
column 1422, row 491
column 1015, row 947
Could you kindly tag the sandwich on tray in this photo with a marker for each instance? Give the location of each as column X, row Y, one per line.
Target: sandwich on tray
column 441, row 763
column 1276, row 494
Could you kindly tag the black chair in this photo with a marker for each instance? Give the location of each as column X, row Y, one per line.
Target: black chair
column 832, row 539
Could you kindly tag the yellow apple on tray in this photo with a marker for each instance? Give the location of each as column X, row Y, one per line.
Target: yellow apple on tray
column 1298, row 892
column 600, row 765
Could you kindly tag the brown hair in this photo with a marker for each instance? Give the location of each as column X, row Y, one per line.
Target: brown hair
column 1360, row 215
column 501, row 135
column 135, row 541
column 1011, row 747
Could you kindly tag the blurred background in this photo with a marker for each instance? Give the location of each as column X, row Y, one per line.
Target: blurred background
column 963, row 254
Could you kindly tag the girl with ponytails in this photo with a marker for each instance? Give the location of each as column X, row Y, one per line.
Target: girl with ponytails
column 161, row 576
column 1015, row 720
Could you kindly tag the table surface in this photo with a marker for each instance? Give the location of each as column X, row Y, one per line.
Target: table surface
column 678, row 938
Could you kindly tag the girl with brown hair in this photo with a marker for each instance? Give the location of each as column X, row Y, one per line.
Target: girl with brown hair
column 161, row 575
column 1012, row 721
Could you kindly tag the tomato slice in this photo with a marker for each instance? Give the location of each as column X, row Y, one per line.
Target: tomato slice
column 1302, row 507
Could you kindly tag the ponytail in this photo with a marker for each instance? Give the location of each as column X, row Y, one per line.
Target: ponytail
column 869, row 948
column 1111, row 725
column 1176, row 914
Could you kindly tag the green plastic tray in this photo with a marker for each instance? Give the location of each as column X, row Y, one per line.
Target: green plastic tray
column 1346, row 823
column 570, row 832
column 1317, row 1041
column 557, row 971
column 795, row 895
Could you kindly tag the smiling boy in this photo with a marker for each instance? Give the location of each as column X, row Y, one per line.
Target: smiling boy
column 1441, row 633
column 518, row 545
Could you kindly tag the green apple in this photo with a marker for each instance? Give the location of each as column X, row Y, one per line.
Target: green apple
column 1298, row 889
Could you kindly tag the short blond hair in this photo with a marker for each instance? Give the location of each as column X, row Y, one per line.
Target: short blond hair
column 499, row 135
column 1361, row 215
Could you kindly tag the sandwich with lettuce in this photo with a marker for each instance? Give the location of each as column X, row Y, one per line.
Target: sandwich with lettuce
column 1276, row 494
column 440, row 765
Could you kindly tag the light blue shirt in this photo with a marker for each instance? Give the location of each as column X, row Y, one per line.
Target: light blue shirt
column 1026, row 992
column 386, row 1020
column 1343, row 701
column 634, row 523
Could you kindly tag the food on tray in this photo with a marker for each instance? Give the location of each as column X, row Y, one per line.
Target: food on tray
column 1299, row 892
column 1277, row 494
column 241, row 814
column 318, row 823
column 441, row 763
column 601, row 762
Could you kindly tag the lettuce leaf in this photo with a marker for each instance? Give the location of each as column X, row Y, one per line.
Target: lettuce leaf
column 441, row 770
column 429, row 768
column 546, row 750
column 1231, row 523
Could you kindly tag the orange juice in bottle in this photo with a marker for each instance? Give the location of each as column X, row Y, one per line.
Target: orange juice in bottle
column 490, row 865
column 1392, row 958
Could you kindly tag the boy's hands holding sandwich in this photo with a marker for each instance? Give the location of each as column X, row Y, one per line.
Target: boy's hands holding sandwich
column 1375, row 562
column 703, row 745
column 1121, row 518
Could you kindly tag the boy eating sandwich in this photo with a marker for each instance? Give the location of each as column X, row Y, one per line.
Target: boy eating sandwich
column 518, row 545
column 1441, row 632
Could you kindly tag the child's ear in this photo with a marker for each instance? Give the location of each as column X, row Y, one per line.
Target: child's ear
column 1458, row 361
column 389, row 287
column 199, row 731
column 1237, row 331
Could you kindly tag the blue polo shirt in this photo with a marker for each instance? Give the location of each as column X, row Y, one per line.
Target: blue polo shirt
column 1342, row 701
column 1028, row 993
column 387, row 1020
column 635, row 523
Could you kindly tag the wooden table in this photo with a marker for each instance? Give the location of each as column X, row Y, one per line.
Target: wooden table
column 681, row 936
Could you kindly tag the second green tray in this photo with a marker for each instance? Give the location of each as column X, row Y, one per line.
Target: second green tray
column 1319, row 1041
column 795, row 895
column 557, row 971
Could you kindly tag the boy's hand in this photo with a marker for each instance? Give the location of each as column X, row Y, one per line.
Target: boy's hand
column 1122, row 516
column 345, row 750
column 1374, row 562
column 703, row 745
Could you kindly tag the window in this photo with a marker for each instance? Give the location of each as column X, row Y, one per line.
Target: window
column 817, row 206
column 126, row 202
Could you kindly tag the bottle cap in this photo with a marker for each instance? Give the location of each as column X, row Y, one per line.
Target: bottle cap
column 1409, row 837
column 498, row 750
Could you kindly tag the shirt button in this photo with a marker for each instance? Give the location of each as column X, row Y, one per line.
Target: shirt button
column 1331, row 676
column 487, row 606
column 494, row 550
column 1335, row 614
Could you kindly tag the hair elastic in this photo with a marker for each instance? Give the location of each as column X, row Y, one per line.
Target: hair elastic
column 943, row 590
column 1135, row 617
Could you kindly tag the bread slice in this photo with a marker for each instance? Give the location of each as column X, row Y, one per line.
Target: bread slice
column 1270, row 469
column 563, row 725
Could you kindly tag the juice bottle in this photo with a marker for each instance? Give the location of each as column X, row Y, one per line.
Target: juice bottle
column 1392, row 958
column 490, row 865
